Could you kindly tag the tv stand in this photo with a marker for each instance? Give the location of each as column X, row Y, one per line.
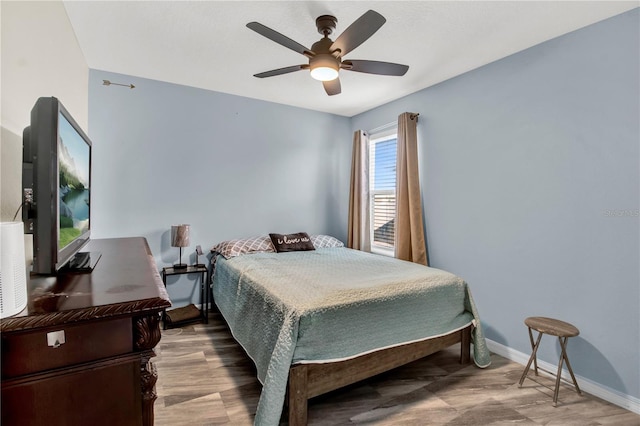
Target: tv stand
column 80, row 353
column 83, row 262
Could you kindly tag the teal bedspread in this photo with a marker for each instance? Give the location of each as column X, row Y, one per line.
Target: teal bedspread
column 330, row 304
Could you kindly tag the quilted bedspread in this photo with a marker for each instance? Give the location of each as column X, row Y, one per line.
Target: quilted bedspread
column 331, row 304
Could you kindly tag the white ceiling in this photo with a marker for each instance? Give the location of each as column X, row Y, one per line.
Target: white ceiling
column 206, row 44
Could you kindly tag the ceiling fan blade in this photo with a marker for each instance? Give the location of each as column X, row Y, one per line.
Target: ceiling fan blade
column 280, row 71
column 375, row 67
column 278, row 38
column 332, row 87
column 358, row 32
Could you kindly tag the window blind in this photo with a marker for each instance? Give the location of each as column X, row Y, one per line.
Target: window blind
column 382, row 166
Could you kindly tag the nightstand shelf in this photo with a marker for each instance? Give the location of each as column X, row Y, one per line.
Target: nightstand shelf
column 204, row 294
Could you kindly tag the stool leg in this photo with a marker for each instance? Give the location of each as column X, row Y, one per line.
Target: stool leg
column 558, row 376
column 535, row 359
column 531, row 358
column 566, row 358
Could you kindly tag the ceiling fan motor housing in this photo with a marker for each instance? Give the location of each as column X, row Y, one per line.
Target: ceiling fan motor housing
column 324, row 60
column 322, row 46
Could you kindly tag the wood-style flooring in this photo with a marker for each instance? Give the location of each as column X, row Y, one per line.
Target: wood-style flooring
column 205, row 378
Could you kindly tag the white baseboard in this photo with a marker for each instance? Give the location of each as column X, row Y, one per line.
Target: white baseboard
column 627, row 402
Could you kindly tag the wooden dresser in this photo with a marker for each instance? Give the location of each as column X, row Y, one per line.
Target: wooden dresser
column 109, row 322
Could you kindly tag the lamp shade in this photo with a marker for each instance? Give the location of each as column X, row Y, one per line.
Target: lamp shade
column 180, row 235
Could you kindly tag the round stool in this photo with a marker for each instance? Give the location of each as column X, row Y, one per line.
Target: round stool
column 563, row 330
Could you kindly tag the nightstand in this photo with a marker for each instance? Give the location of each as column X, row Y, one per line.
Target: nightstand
column 204, row 294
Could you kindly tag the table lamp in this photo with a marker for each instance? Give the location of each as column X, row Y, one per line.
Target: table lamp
column 180, row 238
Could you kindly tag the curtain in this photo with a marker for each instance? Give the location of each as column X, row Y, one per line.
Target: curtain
column 358, row 229
column 409, row 234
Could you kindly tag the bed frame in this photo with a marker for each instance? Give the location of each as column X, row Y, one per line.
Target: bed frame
column 309, row 380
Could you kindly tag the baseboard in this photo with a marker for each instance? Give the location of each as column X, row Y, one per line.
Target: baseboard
column 589, row 386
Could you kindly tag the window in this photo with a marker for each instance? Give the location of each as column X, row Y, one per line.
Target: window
column 382, row 190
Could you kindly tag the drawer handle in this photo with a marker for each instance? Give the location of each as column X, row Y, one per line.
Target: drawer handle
column 55, row 339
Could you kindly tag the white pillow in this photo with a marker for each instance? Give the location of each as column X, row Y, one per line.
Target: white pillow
column 233, row 248
column 325, row 241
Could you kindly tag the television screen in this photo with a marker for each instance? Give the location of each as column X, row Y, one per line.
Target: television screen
column 56, row 175
column 73, row 183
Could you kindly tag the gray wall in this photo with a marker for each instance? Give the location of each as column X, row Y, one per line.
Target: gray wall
column 530, row 184
column 229, row 166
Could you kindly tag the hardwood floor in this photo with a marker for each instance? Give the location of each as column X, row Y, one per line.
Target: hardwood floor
column 205, row 378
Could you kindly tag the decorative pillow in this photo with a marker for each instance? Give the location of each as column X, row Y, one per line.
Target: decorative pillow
column 292, row 242
column 325, row 241
column 233, row 248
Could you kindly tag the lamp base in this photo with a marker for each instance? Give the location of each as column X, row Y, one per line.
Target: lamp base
column 179, row 266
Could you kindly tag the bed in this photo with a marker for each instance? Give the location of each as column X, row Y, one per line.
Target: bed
column 321, row 318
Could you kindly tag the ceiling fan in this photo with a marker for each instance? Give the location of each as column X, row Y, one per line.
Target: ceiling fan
column 326, row 56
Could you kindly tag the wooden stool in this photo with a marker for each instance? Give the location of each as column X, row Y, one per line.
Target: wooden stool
column 553, row 327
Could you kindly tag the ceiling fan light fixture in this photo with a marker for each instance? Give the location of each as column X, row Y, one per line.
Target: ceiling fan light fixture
column 324, row 67
column 324, row 73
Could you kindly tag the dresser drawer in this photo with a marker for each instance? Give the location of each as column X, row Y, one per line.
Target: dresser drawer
column 105, row 395
column 26, row 353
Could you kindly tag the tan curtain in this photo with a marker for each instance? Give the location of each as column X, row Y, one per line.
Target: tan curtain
column 358, row 230
column 409, row 234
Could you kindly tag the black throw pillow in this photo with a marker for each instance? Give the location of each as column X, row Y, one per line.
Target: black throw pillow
column 292, row 242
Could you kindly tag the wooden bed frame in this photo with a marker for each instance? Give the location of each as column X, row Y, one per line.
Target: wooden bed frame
column 309, row 380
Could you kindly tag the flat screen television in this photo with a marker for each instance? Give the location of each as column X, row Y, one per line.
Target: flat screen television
column 56, row 178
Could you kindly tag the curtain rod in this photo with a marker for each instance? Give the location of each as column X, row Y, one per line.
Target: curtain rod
column 413, row 116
